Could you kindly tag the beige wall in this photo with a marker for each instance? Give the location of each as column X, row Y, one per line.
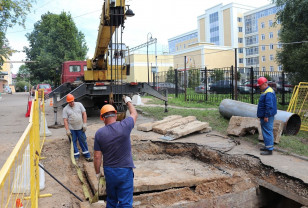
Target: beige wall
column 227, row 27
column 193, row 60
column 218, row 58
column 139, row 66
column 6, row 68
column 202, row 30
column 185, row 44
column 267, row 41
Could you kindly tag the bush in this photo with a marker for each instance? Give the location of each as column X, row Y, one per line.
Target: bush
column 20, row 86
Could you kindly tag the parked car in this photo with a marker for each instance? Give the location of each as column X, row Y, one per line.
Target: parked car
column 201, row 89
column 287, row 86
column 256, row 87
column 7, row 89
column 162, row 86
column 224, row 87
column 46, row 87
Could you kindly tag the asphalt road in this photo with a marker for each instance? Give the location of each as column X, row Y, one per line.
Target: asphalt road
column 13, row 122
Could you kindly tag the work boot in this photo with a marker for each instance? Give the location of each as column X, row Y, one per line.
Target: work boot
column 89, row 159
column 267, row 152
column 263, row 149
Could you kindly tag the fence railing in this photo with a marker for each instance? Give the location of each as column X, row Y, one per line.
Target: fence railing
column 20, row 175
column 214, row 85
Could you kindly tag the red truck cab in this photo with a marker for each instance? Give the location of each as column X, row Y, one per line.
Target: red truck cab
column 73, row 71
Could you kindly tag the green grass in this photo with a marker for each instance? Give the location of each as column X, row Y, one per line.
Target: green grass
column 296, row 144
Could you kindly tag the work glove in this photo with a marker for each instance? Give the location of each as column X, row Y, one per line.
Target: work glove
column 68, row 133
column 126, row 99
column 84, row 127
column 98, row 175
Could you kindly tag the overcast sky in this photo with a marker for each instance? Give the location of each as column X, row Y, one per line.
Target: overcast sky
column 164, row 19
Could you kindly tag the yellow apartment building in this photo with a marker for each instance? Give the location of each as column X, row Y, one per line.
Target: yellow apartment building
column 5, row 76
column 262, row 38
column 139, row 70
column 212, row 45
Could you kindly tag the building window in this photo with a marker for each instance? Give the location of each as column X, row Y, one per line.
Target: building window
column 262, row 25
column 271, row 57
column 270, row 23
column 263, row 48
column 279, row 45
column 271, row 35
column 240, row 40
column 271, row 68
column 184, row 45
column 262, row 37
column 240, row 50
column 239, row 19
column 279, row 68
column 278, row 33
column 240, row 29
column 263, row 58
column 263, row 68
column 271, row 46
column 241, row 60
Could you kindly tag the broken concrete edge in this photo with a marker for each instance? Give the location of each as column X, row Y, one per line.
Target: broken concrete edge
column 287, row 194
column 290, row 153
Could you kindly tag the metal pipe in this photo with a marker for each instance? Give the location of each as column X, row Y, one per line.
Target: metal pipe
column 229, row 108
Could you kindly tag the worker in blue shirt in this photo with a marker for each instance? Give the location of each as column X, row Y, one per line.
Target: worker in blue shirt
column 267, row 109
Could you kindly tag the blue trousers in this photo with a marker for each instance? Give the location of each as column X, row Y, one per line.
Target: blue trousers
column 267, row 132
column 82, row 139
column 119, row 187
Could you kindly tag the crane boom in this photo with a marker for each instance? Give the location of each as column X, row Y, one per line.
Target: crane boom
column 108, row 60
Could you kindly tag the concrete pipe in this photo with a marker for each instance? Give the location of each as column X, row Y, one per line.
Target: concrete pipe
column 229, row 108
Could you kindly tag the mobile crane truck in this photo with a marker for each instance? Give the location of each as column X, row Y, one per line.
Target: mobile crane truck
column 99, row 80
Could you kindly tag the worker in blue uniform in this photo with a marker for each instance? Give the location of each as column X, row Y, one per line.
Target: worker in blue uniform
column 267, row 109
column 112, row 142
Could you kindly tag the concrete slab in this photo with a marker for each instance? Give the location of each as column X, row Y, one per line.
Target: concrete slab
column 93, row 181
column 158, row 175
column 148, row 126
column 189, row 128
column 287, row 164
column 163, row 128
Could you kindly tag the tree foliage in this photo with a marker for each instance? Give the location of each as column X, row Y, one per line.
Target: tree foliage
column 294, row 28
column 217, row 75
column 12, row 12
column 54, row 39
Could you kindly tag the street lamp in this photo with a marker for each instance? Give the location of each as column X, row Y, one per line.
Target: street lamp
column 148, row 56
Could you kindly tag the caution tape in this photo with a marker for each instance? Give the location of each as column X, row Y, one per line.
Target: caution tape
column 86, row 192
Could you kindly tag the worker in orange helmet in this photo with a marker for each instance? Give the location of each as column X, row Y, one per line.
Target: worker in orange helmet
column 267, row 109
column 75, row 123
column 113, row 143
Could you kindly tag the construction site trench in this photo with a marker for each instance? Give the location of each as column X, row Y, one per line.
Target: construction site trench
column 198, row 170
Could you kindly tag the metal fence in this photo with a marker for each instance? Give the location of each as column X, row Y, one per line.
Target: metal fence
column 214, row 85
column 20, row 175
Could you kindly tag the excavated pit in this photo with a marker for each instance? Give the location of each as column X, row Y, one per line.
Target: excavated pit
column 171, row 174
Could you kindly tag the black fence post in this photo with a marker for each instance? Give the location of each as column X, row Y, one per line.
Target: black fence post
column 231, row 83
column 154, row 80
column 251, row 82
column 205, row 82
column 283, row 91
column 176, row 82
column 185, row 78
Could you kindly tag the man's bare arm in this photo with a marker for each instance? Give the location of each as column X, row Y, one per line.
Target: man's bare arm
column 132, row 111
column 97, row 161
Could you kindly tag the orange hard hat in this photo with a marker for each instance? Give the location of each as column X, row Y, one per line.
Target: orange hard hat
column 70, row 98
column 261, row 81
column 107, row 108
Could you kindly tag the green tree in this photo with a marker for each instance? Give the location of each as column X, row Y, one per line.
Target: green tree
column 217, row 75
column 193, row 78
column 23, row 73
column 12, row 12
column 170, row 75
column 55, row 39
column 294, row 28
